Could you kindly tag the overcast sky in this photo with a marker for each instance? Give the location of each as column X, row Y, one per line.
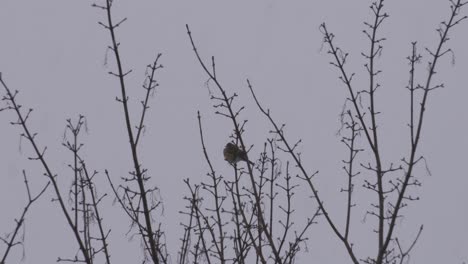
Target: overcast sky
column 54, row 52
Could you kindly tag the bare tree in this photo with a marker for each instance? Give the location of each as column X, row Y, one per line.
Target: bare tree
column 39, row 155
column 248, row 216
column 85, row 199
column 11, row 239
column 138, row 200
column 140, row 204
column 213, row 226
column 82, row 184
column 391, row 183
column 391, row 189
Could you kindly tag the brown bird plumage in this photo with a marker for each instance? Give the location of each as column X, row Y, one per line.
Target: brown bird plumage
column 233, row 154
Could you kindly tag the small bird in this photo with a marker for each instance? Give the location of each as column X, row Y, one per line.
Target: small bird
column 233, row 154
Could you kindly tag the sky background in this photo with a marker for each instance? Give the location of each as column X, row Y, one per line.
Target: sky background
column 54, row 53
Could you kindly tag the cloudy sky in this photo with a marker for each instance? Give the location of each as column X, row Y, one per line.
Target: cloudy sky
column 55, row 54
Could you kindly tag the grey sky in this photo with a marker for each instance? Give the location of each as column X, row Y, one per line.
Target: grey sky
column 54, row 53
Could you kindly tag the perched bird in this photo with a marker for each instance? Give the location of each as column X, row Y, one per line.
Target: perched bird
column 233, row 154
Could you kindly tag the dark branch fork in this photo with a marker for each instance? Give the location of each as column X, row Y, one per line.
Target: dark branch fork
column 10, row 97
column 392, row 213
column 256, row 195
column 237, row 128
column 150, row 234
column 10, row 239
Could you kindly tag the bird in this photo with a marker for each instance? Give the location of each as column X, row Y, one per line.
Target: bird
column 233, row 154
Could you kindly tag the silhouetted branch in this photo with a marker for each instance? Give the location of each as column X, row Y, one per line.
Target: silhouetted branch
column 11, row 239
column 238, row 129
column 149, row 233
column 12, row 105
column 350, row 143
column 404, row 254
column 306, row 176
column 385, row 210
column 452, row 21
column 83, row 185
